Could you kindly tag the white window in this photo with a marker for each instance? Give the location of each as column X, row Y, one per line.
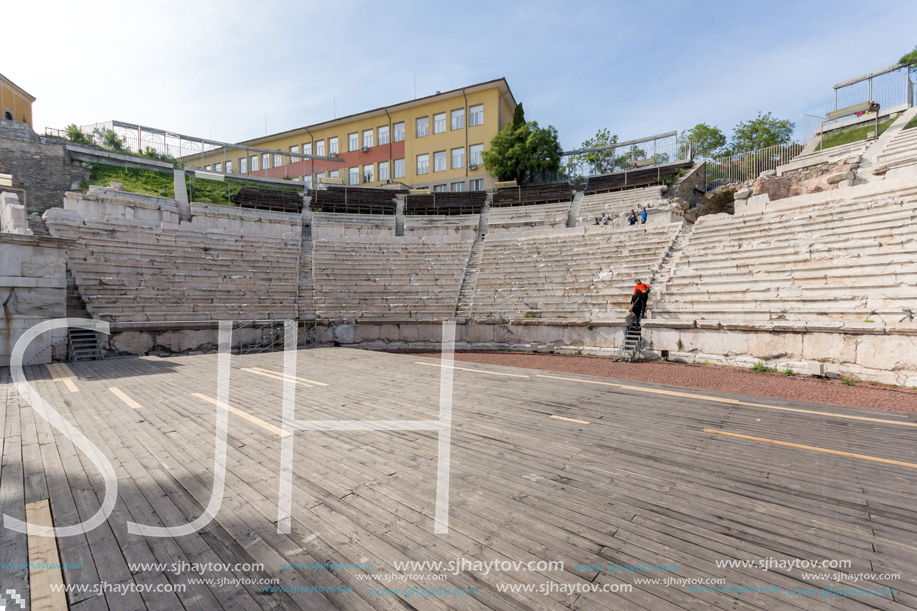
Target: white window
column 265, row 161
column 458, row 187
column 423, row 126
column 439, row 161
column 383, row 134
column 333, row 146
column 458, row 158
column 353, row 141
column 278, row 161
column 308, row 181
column 320, row 148
column 476, row 115
column 439, row 188
column 398, row 134
column 368, row 138
column 423, row 164
column 307, row 148
column 294, row 148
column 458, row 118
column 334, row 174
column 399, row 168
column 439, row 123
column 476, row 185
column 254, row 163
column 218, row 167
column 475, row 154
column 368, row 174
column 383, row 170
column 354, row 176
column 209, row 168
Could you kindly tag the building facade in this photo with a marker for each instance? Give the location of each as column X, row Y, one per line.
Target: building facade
column 435, row 142
column 15, row 102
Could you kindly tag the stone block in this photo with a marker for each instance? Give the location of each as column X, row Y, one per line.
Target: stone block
column 346, row 334
column 743, row 193
column 131, row 342
column 834, row 347
column 12, row 215
column 10, row 259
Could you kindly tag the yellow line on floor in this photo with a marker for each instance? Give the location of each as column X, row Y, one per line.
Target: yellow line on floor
column 62, row 373
column 121, row 395
column 569, row 419
column 43, row 554
column 736, row 402
column 238, row 412
column 787, row 444
column 493, row 373
column 279, row 375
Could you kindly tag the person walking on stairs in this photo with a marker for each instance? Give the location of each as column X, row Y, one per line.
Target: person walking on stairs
column 638, row 300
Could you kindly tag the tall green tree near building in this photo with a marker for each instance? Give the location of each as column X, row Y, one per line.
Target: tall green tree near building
column 521, row 148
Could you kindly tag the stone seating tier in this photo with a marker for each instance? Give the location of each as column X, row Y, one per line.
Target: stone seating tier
column 135, row 272
column 584, row 272
column 616, row 203
column 387, row 278
column 847, row 260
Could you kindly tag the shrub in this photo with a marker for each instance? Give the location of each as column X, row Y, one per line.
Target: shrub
column 75, row 134
column 760, row 367
column 788, row 372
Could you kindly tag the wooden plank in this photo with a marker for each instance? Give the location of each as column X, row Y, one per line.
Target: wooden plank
column 44, row 572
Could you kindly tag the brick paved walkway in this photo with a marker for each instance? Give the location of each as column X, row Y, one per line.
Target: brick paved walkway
column 707, row 377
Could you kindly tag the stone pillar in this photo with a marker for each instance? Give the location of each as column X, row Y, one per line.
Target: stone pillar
column 12, row 215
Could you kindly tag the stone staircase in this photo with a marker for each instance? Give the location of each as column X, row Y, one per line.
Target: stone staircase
column 466, row 293
column 897, row 146
column 573, row 216
column 75, row 306
column 667, row 267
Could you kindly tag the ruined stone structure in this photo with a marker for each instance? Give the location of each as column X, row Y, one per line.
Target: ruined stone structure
column 826, row 275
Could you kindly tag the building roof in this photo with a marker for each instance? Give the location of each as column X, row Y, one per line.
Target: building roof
column 500, row 83
column 17, row 88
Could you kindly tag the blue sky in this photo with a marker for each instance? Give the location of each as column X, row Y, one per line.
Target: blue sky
column 217, row 69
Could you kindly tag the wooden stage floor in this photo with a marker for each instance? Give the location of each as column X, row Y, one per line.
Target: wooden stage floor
column 565, row 492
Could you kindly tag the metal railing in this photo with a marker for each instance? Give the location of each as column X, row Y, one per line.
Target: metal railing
column 745, row 166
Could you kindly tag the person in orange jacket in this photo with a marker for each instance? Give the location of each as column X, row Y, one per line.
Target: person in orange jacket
column 638, row 300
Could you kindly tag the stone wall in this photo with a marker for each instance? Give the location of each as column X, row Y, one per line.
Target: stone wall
column 684, row 186
column 880, row 352
column 44, row 170
column 102, row 203
column 33, row 288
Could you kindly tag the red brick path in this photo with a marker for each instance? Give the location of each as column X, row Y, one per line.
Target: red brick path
column 706, row 377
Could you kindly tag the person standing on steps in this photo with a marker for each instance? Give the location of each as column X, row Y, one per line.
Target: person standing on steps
column 638, row 300
column 643, row 216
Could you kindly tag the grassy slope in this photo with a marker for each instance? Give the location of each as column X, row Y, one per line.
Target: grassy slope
column 135, row 180
column 149, row 182
column 854, row 134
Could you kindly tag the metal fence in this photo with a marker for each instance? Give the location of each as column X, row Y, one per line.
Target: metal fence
column 618, row 157
column 890, row 87
column 208, row 155
column 745, row 166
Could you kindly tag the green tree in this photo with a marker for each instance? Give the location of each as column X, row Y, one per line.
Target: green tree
column 514, row 153
column 708, row 141
column 633, row 154
column 600, row 162
column 518, row 117
column 762, row 131
column 909, row 59
column 109, row 139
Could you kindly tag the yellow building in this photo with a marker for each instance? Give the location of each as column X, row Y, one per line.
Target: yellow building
column 433, row 142
column 15, row 102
